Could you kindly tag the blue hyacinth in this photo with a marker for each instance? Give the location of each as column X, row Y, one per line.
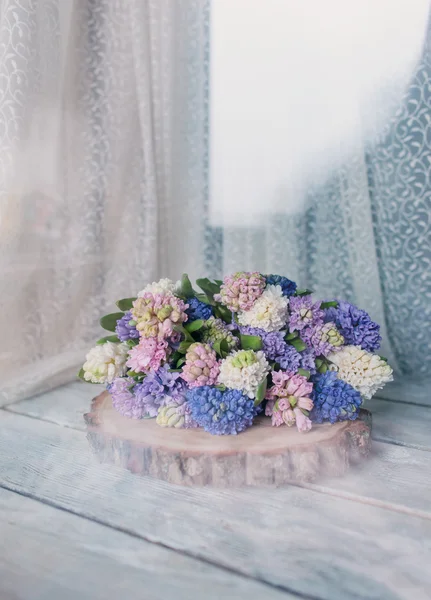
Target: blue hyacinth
column 355, row 325
column 220, row 412
column 288, row 287
column 334, row 399
column 198, row 310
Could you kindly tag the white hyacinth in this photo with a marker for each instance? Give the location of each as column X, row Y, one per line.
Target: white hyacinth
column 366, row 372
column 162, row 286
column 244, row 370
column 105, row 362
column 269, row 312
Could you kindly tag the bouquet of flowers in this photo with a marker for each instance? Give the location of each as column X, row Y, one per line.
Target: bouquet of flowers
column 252, row 343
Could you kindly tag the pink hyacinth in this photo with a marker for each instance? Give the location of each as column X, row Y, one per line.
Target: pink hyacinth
column 241, row 290
column 288, row 398
column 201, row 367
column 156, row 314
column 149, row 354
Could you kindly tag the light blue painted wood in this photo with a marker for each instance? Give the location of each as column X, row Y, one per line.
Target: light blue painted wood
column 308, row 542
column 49, row 554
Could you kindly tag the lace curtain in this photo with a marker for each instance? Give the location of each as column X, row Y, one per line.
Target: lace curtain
column 104, row 186
column 102, row 142
column 362, row 233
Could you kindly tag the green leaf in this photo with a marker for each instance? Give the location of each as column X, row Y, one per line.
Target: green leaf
column 304, row 292
column 298, row 344
column 250, row 342
column 108, row 338
column 132, row 343
column 186, row 288
column 323, row 368
column 222, row 312
column 184, row 346
column 217, row 348
column 175, row 370
column 304, row 373
column 260, row 393
column 319, row 362
column 125, row 304
column 195, row 325
column 224, row 348
column 383, row 358
column 332, row 303
column 81, row 375
column 218, row 282
column 204, row 298
column 305, row 412
column 109, row 322
column 209, row 287
column 178, row 327
column 291, row 336
column 180, row 362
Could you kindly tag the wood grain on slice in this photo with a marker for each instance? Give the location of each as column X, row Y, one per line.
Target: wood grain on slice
column 312, row 543
column 261, row 455
column 50, row 554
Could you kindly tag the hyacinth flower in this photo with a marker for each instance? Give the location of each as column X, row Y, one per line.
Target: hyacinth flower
column 304, row 312
column 157, row 314
column 289, row 400
column 269, row 312
column 220, row 412
column 216, row 330
column 334, row 399
column 355, row 325
column 126, row 328
column 275, row 348
column 244, row 370
column 198, row 310
column 150, row 353
column 323, row 338
column 364, row 371
column 201, row 366
column 241, row 290
column 288, row 287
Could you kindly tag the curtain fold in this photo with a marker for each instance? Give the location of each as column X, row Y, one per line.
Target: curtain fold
column 102, row 181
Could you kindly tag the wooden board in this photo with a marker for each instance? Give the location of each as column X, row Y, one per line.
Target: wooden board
column 299, row 540
column 261, row 455
column 51, row 554
column 394, row 422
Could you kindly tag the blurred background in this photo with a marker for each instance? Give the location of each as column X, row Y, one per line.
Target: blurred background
column 144, row 139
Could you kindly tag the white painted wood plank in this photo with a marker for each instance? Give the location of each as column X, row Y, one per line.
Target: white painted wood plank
column 407, row 389
column 309, row 542
column 64, row 406
column 399, row 423
column 393, row 422
column 51, row 554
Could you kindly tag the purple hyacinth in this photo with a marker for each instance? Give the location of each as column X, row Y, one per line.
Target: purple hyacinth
column 220, row 412
column 355, row 325
column 158, row 388
column 308, row 361
column 334, row 399
column 125, row 331
column 304, row 313
column 124, row 400
column 275, row 347
column 322, row 339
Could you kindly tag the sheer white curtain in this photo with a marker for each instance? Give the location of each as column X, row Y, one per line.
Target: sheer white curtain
column 102, row 173
column 320, row 144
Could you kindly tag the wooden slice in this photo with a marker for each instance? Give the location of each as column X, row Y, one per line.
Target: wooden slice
column 261, row 455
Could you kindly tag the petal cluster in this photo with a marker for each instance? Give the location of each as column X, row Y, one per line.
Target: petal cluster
column 105, row 362
column 269, row 312
column 364, row 371
column 244, row 370
column 201, row 366
column 240, row 290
